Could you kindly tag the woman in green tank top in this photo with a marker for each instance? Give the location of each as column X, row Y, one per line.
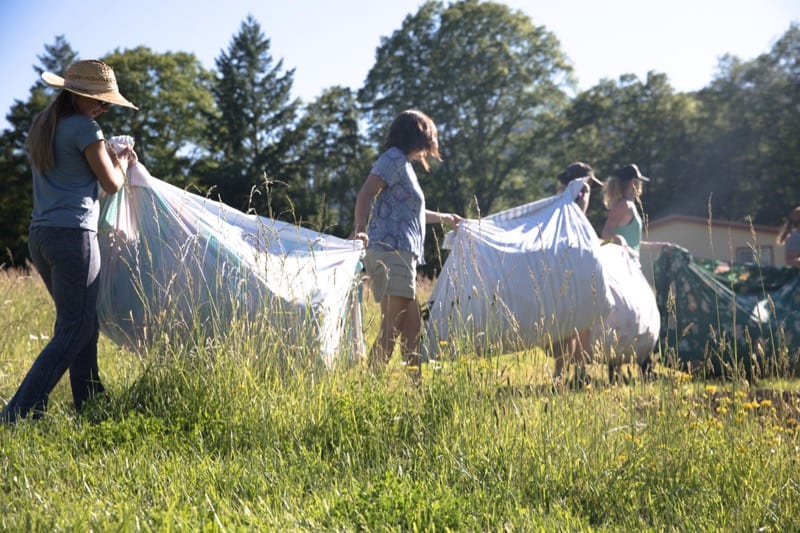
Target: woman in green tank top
column 621, row 194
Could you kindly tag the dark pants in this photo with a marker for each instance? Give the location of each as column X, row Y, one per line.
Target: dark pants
column 68, row 261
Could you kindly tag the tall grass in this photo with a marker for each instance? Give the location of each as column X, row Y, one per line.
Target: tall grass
column 219, row 434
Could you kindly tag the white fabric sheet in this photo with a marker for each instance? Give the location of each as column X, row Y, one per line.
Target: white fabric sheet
column 178, row 263
column 535, row 274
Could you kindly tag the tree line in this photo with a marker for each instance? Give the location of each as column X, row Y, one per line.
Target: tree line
column 502, row 93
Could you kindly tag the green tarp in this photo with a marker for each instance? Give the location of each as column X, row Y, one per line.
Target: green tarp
column 720, row 318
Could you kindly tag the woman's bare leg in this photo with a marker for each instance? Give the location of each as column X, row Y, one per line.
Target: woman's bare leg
column 393, row 317
column 565, row 349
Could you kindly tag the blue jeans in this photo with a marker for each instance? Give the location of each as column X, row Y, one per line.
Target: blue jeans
column 68, row 261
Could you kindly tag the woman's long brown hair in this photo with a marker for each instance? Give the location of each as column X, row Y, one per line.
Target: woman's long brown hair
column 43, row 130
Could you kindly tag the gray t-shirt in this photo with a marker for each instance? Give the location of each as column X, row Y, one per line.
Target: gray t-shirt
column 67, row 196
column 793, row 242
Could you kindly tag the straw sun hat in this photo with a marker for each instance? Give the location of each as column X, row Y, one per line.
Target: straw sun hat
column 91, row 78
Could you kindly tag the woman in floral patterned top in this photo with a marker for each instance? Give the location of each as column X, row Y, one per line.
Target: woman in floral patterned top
column 395, row 236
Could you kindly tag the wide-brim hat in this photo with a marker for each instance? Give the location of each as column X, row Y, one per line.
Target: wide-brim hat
column 91, row 78
column 630, row 172
column 577, row 170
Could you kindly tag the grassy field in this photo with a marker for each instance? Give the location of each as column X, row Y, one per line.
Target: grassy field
column 238, row 433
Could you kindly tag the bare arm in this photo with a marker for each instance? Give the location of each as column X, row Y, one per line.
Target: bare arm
column 654, row 247
column 435, row 217
column 110, row 175
column 371, row 187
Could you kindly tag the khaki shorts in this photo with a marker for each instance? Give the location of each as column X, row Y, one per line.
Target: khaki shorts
column 391, row 273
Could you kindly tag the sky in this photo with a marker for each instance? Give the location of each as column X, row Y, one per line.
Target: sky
column 333, row 42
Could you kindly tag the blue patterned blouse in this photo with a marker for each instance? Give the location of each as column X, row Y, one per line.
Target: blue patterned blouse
column 398, row 218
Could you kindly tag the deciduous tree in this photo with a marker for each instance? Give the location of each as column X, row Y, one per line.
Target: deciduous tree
column 633, row 121
column 748, row 147
column 334, row 158
column 173, row 93
column 491, row 80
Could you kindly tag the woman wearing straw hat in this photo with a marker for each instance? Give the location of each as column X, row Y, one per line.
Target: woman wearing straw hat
column 69, row 159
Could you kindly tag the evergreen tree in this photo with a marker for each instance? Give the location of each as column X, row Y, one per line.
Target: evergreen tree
column 491, row 80
column 254, row 129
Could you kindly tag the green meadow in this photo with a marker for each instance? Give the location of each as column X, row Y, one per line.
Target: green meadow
column 240, row 433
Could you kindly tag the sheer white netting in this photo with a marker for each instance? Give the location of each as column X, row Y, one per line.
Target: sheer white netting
column 178, row 263
column 535, row 274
